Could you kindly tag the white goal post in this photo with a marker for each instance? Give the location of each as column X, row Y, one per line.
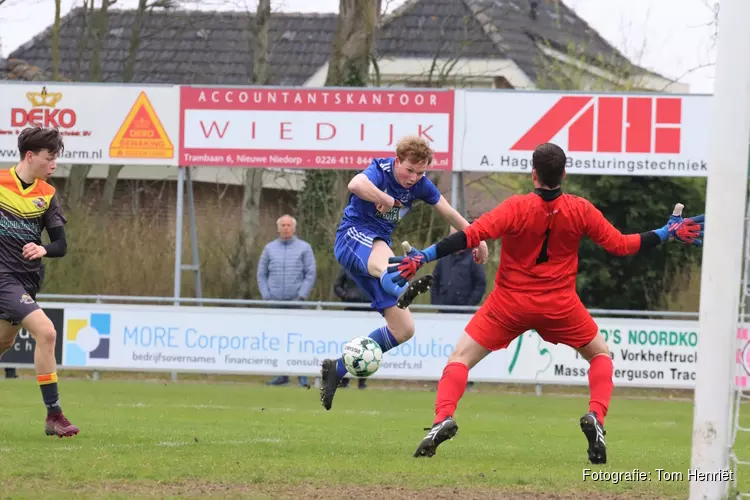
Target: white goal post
column 729, row 131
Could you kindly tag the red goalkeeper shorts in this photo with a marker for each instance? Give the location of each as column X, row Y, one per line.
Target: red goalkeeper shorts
column 557, row 318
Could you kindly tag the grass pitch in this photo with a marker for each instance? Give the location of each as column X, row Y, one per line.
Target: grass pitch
column 159, row 439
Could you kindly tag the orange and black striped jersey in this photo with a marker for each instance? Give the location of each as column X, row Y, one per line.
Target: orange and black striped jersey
column 24, row 214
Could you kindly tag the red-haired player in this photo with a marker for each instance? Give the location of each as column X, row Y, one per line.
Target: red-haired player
column 535, row 287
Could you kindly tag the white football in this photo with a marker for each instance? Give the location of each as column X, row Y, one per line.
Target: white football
column 362, row 356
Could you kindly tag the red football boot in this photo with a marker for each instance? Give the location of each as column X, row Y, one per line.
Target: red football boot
column 58, row 425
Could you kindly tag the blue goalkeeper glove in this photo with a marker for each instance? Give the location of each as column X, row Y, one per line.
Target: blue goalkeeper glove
column 690, row 230
column 407, row 266
column 686, row 231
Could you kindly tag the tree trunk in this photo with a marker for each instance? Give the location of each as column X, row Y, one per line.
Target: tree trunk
column 110, row 185
column 352, row 43
column 261, row 52
column 101, row 21
column 56, row 43
column 83, row 40
column 76, row 185
column 135, row 41
column 253, row 177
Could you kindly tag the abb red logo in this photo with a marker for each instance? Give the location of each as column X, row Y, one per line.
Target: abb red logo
column 610, row 125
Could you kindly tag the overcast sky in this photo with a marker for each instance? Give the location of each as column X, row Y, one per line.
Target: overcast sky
column 671, row 37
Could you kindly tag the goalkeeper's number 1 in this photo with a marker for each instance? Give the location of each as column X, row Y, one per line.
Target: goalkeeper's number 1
column 543, row 257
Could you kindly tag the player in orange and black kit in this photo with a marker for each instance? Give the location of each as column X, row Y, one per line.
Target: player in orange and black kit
column 28, row 206
column 535, row 287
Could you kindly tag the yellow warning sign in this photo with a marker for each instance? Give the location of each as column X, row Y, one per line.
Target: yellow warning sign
column 141, row 135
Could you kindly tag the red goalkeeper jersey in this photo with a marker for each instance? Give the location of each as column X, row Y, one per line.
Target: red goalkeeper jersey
column 540, row 240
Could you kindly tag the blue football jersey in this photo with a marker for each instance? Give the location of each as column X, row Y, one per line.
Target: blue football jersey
column 363, row 214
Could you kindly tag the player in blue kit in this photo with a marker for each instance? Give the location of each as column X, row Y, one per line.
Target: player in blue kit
column 380, row 197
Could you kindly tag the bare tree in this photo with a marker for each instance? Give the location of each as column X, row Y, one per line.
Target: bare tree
column 75, row 186
column 56, row 42
column 713, row 6
column 142, row 11
column 240, row 255
column 100, row 33
column 351, row 50
column 253, row 177
column 83, row 38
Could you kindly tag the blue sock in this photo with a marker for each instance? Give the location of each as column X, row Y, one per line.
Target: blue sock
column 382, row 336
column 341, row 370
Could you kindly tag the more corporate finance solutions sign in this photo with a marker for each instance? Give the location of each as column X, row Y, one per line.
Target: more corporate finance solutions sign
column 100, row 124
column 310, row 128
column 646, row 353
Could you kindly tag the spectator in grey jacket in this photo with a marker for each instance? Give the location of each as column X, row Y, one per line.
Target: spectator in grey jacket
column 286, row 271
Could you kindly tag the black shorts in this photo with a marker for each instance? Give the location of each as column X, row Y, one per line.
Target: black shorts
column 18, row 296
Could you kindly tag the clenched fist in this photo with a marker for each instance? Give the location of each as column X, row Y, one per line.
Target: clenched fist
column 32, row 251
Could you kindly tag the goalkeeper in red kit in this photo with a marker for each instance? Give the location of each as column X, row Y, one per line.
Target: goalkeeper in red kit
column 535, row 287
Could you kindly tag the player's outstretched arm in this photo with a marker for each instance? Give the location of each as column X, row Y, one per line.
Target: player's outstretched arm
column 455, row 219
column 490, row 226
column 406, row 267
column 604, row 234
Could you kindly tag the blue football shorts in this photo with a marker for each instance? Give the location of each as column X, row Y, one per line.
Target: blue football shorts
column 352, row 249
